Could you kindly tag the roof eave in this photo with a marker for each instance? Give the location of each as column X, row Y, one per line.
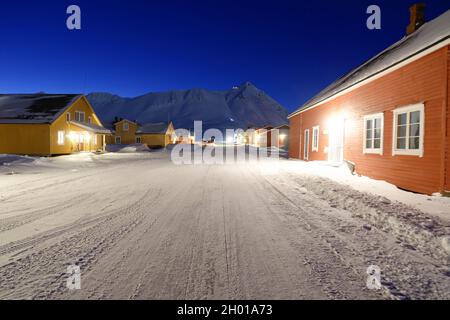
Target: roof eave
column 68, row 105
column 429, row 49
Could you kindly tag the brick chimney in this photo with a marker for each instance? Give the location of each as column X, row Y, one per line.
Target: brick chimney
column 417, row 17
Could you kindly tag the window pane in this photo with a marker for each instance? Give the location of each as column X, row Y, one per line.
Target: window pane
column 414, row 117
column 61, row 137
column 377, row 143
column 414, row 143
column 369, row 134
column 401, row 131
column 377, row 123
column 401, row 143
column 414, row 130
column 369, row 124
column 369, row 144
column 315, row 137
column 377, row 134
column 401, row 118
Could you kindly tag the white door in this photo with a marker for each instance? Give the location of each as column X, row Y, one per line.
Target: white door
column 306, row 145
column 336, row 142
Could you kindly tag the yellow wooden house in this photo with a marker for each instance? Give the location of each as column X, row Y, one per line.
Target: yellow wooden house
column 154, row 135
column 124, row 132
column 49, row 124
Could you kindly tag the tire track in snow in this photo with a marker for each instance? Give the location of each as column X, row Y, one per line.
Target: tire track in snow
column 75, row 177
column 263, row 264
column 23, row 219
column 41, row 274
column 405, row 275
column 322, row 259
column 225, row 239
column 144, row 264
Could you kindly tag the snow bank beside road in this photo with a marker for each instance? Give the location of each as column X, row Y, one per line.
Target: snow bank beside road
column 10, row 159
column 418, row 222
column 127, row 148
column 436, row 206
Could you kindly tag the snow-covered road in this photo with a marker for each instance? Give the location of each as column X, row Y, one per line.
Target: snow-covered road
column 142, row 228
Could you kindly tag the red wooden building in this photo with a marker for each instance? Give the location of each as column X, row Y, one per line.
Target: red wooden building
column 390, row 116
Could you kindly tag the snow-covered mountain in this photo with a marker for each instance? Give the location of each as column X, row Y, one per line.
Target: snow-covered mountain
column 240, row 107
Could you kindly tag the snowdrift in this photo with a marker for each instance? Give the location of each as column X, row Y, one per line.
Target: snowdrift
column 130, row 148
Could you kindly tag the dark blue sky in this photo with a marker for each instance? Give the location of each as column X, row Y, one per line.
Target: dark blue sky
column 290, row 49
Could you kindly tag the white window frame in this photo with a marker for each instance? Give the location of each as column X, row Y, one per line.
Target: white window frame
column 315, row 134
column 408, row 109
column 118, row 138
column 138, row 138
column 373, row 150
column 125, row 126
column 78, row 116
column 306, row 143
column 61, row 137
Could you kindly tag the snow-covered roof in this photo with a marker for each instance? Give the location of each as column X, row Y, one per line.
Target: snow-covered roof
column 34, row 108
column 284, row 126
column 91, row 127
column 429, row 35
column 124, row 120
column 153, row 128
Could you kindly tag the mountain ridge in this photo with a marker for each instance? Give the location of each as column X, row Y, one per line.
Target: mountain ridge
column 242, row 107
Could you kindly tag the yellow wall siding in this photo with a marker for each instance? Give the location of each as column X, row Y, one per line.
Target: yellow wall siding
column 61, row 124
column 25, row 139
column 155, row 140
column 83, row 106
column 42, row 139
column 127, row 137
column 110, row 139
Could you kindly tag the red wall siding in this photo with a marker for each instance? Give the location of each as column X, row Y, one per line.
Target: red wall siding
column 447, row 155
column 421, row 81
column 294, row 137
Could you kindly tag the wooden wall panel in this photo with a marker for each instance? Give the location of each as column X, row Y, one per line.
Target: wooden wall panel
column 421, row 81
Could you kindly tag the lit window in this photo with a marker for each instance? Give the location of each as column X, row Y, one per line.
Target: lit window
column 61, row 138
column 79, row 116
column 409, row 130
column 125, row 126
column 315, row 139
column 373, row 133
column 138, row 139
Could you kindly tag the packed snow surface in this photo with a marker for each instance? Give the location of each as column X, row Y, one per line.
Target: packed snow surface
column 127, row 148
column 140, row 227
